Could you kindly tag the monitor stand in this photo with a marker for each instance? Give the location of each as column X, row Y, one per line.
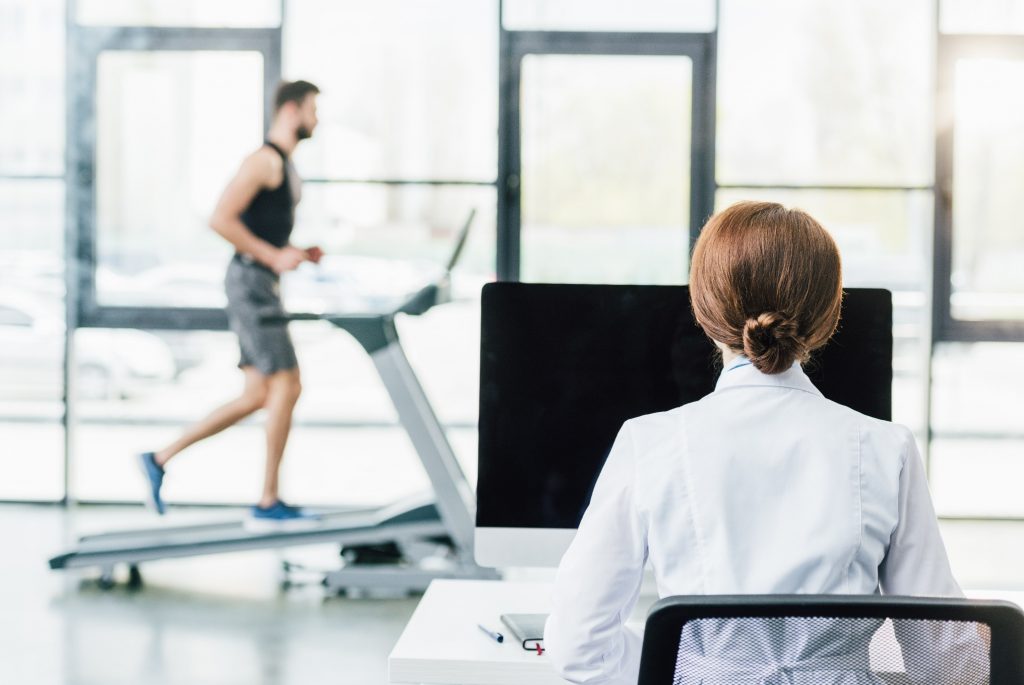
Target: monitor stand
column 399, row 548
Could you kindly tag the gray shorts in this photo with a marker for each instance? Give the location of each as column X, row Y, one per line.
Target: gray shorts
column 254, row 291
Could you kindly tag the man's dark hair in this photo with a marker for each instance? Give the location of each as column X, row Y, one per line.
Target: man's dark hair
column 293, row 91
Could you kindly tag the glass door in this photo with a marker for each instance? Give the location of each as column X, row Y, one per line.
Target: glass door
column 608, row 156
column 166, row 116
column 605, row 153
column 979, row 287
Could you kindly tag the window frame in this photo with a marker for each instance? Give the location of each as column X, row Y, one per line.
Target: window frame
column 945, row 327
column 85, row 45
column 701, row 48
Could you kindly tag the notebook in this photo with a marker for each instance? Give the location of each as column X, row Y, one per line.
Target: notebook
column 527, row 628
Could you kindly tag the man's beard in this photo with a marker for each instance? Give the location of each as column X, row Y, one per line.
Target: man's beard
column 301, row 133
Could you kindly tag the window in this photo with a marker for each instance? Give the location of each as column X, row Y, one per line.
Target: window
column 813, row 93
column 976, row 464
column 172, row 128
column 605, row 143
column 32, row 109
column 408, row 89
column 31, row 338
column 986, row 281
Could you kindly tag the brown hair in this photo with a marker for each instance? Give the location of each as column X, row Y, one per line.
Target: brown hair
column 766, row 281
column 292, row 91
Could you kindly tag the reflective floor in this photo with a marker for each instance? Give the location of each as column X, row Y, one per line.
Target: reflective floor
column 220, row 619
column 224, row 619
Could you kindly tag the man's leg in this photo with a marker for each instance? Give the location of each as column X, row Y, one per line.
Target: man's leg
column 283, row 389
column 253, row 397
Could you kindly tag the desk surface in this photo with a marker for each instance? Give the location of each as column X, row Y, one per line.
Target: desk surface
column 442, row 644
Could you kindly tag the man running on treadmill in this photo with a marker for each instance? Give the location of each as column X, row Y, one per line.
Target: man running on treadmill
column 256, row 214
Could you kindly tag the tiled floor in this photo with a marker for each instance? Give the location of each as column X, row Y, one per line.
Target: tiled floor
column 224, row 619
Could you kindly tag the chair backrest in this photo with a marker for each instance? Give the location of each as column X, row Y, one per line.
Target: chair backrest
column 832, row 639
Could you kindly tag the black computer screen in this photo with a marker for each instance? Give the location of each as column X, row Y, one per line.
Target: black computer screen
column 563, row 366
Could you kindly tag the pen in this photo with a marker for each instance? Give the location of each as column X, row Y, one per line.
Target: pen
column 497, row 637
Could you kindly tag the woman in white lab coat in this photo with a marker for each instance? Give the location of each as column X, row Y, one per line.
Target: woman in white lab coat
column 762, row 487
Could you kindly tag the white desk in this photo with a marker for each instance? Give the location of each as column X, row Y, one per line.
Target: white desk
column 442, row 644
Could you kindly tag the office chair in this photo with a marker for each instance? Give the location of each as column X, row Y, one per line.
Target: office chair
column 832, row 640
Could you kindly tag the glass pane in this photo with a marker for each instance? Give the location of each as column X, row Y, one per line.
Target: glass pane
column 884, row 239
column 171, row 379
column 346, row 447
column 988, row 173
column 385, row 242
column 172, row 128
column 821, row 93
column 978, row 442
column 605, row 168
column 32, row 81
column 206, row 13
column 412, row 223
column 883, row 235
column 31, row 339
column 696, row 16
column 417, row 97
column 982, row 16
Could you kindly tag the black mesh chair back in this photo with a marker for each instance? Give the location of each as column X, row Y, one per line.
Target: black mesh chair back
column 832, row 640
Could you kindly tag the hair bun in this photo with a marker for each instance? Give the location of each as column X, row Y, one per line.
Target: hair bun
column 771, row 342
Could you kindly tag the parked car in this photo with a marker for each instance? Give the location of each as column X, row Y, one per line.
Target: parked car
column 109, row 363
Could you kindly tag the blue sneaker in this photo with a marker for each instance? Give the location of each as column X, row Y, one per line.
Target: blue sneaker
column 154, row 475
column 279, row 516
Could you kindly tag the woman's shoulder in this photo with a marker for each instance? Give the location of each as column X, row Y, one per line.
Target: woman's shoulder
column 654, row 435
column 667, row 420
column 877, row 436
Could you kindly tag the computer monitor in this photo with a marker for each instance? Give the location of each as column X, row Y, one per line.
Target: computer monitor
column 563, row 366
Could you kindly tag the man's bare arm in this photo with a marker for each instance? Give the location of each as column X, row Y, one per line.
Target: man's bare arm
column 257, row 172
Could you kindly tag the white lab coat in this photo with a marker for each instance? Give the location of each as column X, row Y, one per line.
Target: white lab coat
column 762, row 487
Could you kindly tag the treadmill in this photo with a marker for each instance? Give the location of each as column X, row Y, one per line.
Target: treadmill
column 398, row 548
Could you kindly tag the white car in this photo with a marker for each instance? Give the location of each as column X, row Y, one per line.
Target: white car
column 109, row 363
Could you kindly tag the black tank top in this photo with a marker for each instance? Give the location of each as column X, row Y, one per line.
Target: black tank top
column 271, row 214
